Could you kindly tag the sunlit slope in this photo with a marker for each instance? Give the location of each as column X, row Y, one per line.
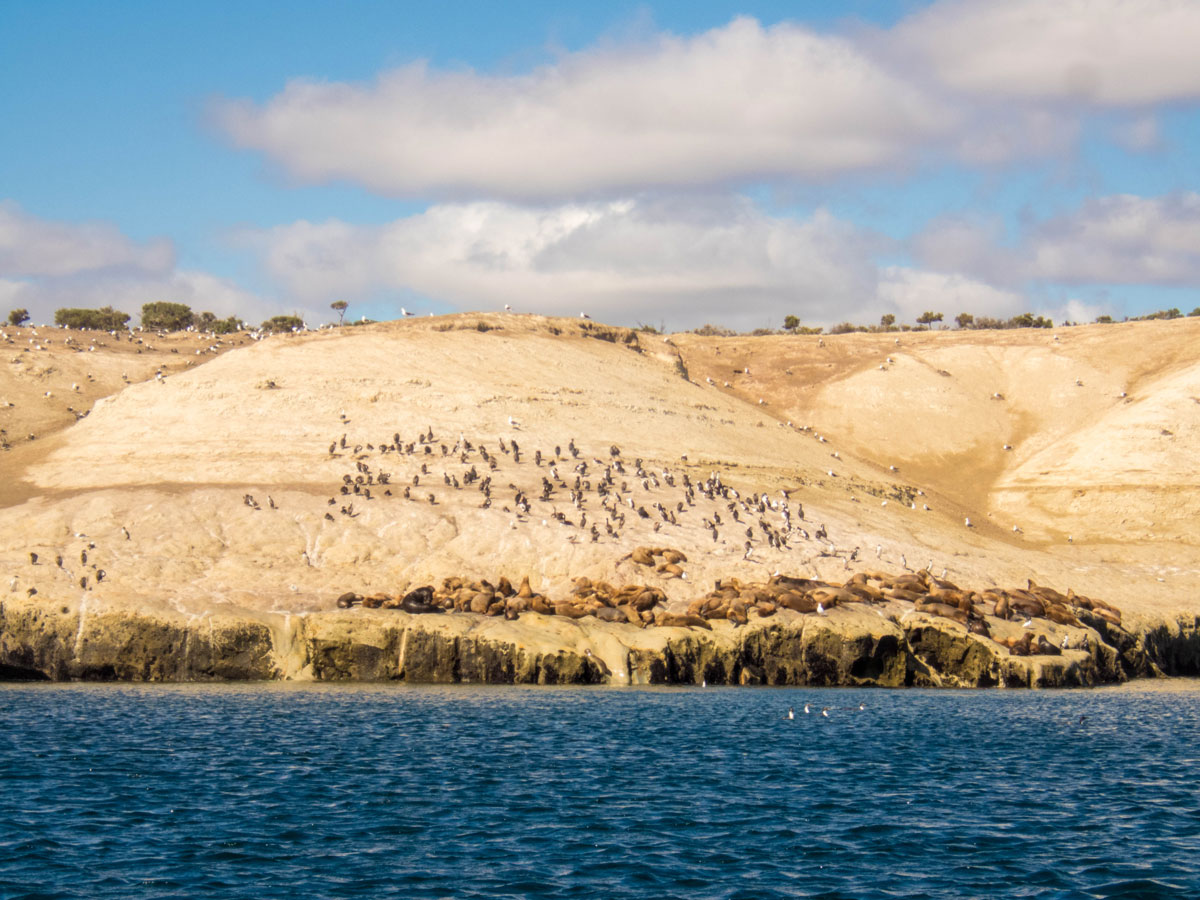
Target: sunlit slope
column 268, row 413
column 1068, row 432
column 225, row 484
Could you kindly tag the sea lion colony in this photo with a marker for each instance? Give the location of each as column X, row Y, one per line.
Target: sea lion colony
column 731, row 599
column 672, row 495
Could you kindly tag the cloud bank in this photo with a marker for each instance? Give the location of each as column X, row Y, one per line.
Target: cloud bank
column 976, row 81
column 46, row 265
column 683, row 261
column 737, row 103
column 1120, row 239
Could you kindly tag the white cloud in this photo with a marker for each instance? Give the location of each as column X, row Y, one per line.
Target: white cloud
column 911, row 292
column 1115, row 53
column 741, row 102
column 1076, row 310
column 46, row 265
column 1120, row 239
column 684, row 260
column 31, row 247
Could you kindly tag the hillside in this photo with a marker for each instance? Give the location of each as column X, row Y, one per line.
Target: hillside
column 217, row 488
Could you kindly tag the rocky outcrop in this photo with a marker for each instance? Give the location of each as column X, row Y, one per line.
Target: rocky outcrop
column 856, row 647
column 107, row 643
column 1171, row 646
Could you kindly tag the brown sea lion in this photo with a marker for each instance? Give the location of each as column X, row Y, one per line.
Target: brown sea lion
column 797, row 602
column 648, row 600
column 632, row 616
column 944, row 610
column 642, row 556
column 1061, row 615
column 569, row 610
column 1022, row 646
column 480, row 602
column 676, row 620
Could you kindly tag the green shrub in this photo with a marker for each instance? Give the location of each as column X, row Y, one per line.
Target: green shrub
column 104, row 319
column 162, row 316
column 282, row 323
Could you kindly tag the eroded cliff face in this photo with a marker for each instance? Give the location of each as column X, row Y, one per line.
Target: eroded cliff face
column 100, row 642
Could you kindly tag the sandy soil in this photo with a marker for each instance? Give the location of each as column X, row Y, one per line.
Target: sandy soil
column 152, row 486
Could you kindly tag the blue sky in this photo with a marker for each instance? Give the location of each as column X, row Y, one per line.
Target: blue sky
column 677, row 162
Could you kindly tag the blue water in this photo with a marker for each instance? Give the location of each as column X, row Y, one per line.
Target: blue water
column 289, row 792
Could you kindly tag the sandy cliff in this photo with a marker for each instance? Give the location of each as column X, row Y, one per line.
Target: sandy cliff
column 211, row 498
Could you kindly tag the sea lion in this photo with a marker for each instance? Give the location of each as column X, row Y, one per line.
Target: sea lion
column 1061, row 615
column 676, row 620
column 419, row 601
column 1047, row 647
column 348, row 599
column 933, row 608
column 977, row 625
column 480, row 602
column 642, row 556
column 632, row 616
column 797, row 602
column 610, row 614
column 1022, row 646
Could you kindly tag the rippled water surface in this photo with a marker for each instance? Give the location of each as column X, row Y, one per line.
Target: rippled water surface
column 298, row 792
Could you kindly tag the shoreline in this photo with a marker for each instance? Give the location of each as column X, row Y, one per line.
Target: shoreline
column 855, row 648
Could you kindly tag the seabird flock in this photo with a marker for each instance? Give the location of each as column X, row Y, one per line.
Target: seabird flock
column 597, row 499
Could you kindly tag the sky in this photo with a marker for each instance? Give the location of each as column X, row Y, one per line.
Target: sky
column 668, row 164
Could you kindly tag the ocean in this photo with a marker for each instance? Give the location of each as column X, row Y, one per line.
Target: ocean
column 330, row 791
